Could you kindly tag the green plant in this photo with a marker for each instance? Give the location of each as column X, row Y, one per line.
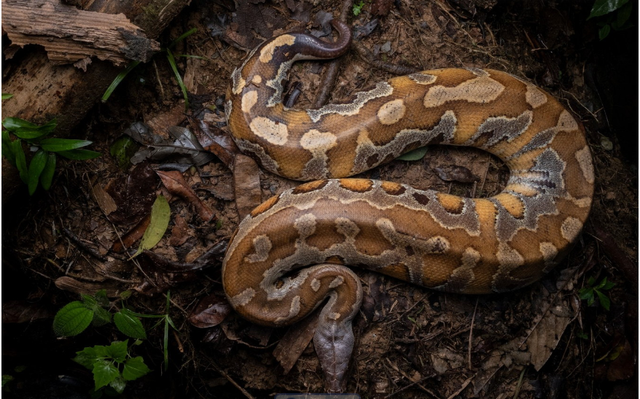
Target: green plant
column 591, row 290
column 76, row 316
column 172, row 62
column 112, row 365
column 615, row 15
column 167, row 323
column 357, row 8
column 42, row 164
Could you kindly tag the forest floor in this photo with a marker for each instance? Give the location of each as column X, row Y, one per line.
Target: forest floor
column 543, row 341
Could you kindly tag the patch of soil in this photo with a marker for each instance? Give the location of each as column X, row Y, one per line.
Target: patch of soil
column 542, row 341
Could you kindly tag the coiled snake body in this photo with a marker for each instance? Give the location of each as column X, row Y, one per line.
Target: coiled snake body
column 291, row 253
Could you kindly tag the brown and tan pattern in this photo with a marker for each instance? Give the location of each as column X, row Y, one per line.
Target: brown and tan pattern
column 292, row 252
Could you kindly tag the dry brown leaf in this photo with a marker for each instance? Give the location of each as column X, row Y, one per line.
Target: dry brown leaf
column 132, row 235
column 546, row 335
column 67, row 283
column 246, row 178
column 456, row 173
column 295, row 341
column 104, row 200
column 175, row 183
column 210, row 311
column 180, row 232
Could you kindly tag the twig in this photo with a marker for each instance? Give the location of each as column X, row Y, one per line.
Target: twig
column 473, row 319
column 76, row 240
column 464, row 385
column 331, row 73
column 231, row 380
column 385, row 66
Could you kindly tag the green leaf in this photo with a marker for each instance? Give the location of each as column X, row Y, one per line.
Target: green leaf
column 585, row 293
column 413, row 155
column 7, row 149
column 28, row 130
column 134, row 368
column 101, row 298
column 47, row 173
column 601, row 284
column 6, row 96
column 122, row 150
column 17, row 123
column 118, row 384
column 104, row 372
column 21, row 160
column 609, row 285
column 89, row 301
column 101, row 316
column 101, row 351
column 6, row 377
column 622, row 16
column 357, row 8
column 603, row 7
column 86, row 357
column 36, row 167
column 604, row 32
column 80, row 154
column 174, row 67
column 117, row 80
column 129, row 325
column 118, row 350
column 160, row 215
column 72, row 319
column 604, row 300
column 57, row 145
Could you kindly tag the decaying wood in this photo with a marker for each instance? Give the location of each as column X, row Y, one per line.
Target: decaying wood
column 69, row 35
column 42, row 91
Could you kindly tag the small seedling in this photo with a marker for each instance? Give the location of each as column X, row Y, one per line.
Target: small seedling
column 76, row 316
column 357, row 8
column 42, row 165
column 112, row 365
column 590, row 291
column 613, row 14
column 167, row 323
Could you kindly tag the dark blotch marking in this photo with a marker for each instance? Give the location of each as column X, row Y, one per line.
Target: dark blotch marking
column 421, row 198
column 388, row 158
column 410, row 251
column 439, row 247
column 373, row 160
column 309, row 187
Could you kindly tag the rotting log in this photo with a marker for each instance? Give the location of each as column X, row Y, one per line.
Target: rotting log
column 43, row 90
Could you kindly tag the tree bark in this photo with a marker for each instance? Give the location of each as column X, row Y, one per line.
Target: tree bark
column 42, row 90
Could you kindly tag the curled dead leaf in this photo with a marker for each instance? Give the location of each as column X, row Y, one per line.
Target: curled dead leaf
column 175, row 183
column 210, row 311
column 455, row 173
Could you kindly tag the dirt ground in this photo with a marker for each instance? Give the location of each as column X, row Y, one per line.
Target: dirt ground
column 540, row 342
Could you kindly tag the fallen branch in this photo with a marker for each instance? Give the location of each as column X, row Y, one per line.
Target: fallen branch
column 69, row 35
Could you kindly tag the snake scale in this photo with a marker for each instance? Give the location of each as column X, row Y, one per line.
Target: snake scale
column 292, row 253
